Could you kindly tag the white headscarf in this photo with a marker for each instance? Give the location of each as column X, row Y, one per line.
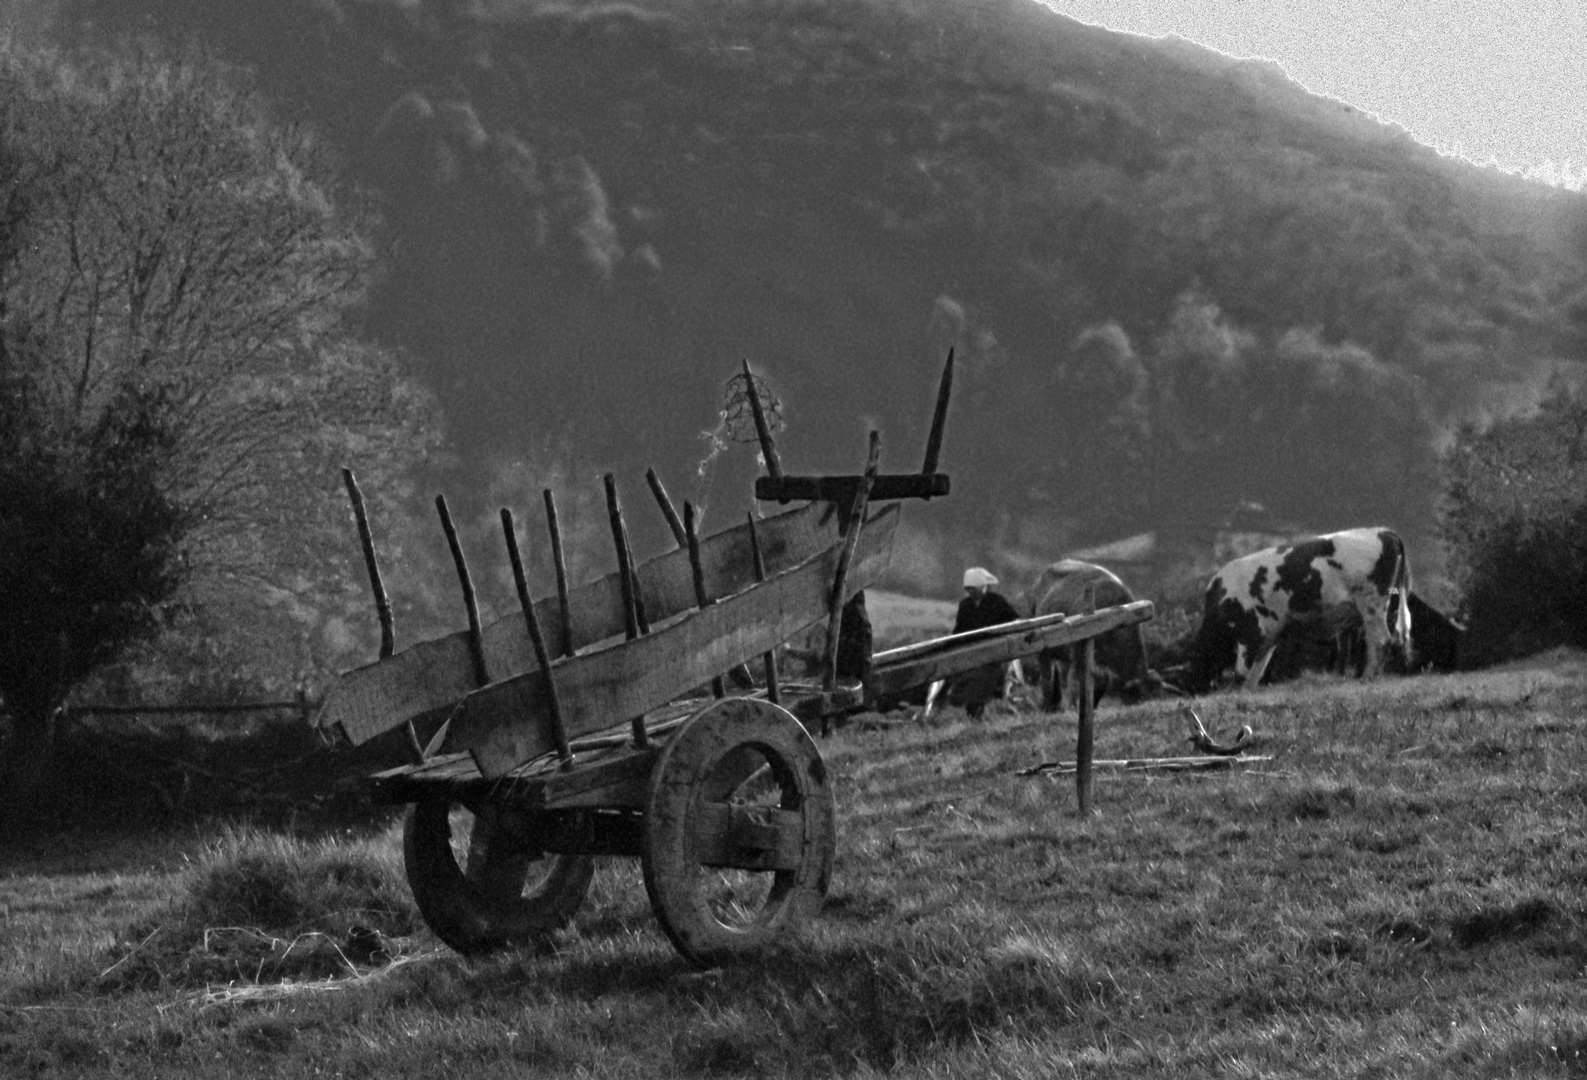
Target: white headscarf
column 978, row 577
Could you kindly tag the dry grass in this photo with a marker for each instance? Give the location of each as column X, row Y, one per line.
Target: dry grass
column 1397, row 893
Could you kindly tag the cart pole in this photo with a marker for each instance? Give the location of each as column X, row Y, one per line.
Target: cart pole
column 718, row 690
column 773, row 692
column 537, row 639
column 1085, row 658
column 665, row 503
column 840, row 580
column 388, row 640
column 939, row 418
column 768, row 449
column 630, row 587
column 476, row 639
column 561, row 566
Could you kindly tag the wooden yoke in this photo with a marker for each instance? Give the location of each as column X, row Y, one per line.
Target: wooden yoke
column 926, row 484
column 850, row 494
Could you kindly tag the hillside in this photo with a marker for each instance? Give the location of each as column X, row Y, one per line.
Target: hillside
column 1176, row 284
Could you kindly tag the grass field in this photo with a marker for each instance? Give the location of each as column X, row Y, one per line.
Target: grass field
column 1394, row 890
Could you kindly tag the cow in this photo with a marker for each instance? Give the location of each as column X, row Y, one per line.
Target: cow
column 1437, row 645
column 1439, row 638
column 1320, row 586
column 1120, row 659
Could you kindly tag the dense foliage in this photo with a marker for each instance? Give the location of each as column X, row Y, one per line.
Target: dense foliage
column 1515, row 518
column 596, row 209
column 92, row 543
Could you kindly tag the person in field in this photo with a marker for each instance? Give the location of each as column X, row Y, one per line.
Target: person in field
column 981, row 607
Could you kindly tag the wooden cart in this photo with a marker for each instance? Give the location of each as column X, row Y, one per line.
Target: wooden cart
column 598, row 721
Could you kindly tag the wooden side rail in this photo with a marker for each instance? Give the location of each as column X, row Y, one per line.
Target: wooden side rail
column 899, row 669
column 433, row 675
column 502, row 724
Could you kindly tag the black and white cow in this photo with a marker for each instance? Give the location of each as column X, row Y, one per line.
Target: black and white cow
column 1321, row 586
column 1120, row 653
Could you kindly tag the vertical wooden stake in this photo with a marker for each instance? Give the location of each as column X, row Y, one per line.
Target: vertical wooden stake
column 388, row 637
column 862, row 496
column 939, row 418
column 666, row 506
column 700, row 598
column 625, row 576
column 773, row 691
column 476, row 640
column 537, row 639
column 1085, row 660
column 562, row 573
column 768, row 449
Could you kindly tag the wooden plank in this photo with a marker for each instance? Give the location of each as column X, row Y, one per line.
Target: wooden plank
column 503, row 724
column 1168, row 764
column 621, row 781
column 435, row 674
column 900, row 669
column 841, row 489
column 952, row 641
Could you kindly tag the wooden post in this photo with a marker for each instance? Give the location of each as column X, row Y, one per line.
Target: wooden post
column 768, row 449
column 666, row 506
column 840, row 578
column 773, row 691
column 939, row 418
column 717, row 689
column 1085, row 658
column 562, row 572
column 625, row 576
column 388, row 637
column 476, row 640
column 537, row 639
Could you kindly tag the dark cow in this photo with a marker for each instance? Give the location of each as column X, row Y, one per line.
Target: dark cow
column 1438, row 638
column 1321, row 587
column 1120, row 653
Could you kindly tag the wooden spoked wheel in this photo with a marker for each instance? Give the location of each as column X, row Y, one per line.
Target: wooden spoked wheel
column 479, row 882
column 739, row 830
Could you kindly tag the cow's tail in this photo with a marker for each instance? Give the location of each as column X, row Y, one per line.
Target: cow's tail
column 1402, row 585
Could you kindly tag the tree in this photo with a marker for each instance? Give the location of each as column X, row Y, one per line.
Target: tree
column 1515, row 520
column 178, row 290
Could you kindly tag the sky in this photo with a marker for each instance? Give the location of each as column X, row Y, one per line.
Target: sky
column 1495, row 81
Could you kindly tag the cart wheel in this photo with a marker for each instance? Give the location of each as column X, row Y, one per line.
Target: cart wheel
column 509, row 894
column 739, row 830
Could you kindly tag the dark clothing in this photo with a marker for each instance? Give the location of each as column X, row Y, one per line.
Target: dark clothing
column 974, row 688
column 854, row 640
column 987, row 609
